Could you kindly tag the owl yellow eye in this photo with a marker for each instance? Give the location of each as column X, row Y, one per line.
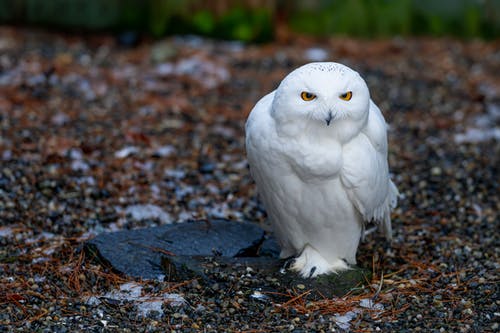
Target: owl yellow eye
column 347, row 96
column 307, row 96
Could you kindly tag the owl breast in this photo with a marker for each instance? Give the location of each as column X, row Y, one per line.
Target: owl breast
column 298, row 182
column 314, row 212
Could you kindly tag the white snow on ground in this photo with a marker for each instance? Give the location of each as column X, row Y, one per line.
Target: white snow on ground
column 484, row 127
column 344, row 321
column 146, row 304
column 6, row 232
column 475, row 135
column 368, row 303
column 126, row 151
column 208, row 73
column 148, row 211
column 316, row 54
column 164, row 151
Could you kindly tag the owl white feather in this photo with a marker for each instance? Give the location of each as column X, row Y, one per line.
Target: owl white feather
column 317, row 149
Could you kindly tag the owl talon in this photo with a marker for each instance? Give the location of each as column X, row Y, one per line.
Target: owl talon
column 311, row 272
column 288, row 263
column 311, row 264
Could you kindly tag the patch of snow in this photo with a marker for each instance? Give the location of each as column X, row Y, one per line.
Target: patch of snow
column 476, row 135
column 224, row 131
column 79, row 165
column 39, row 278
column 175, row 173
column 208, row 73
column 149, row 306
column 128, row 292
column 369, row 304
column 148, row 211
column 185, row 216
column 221, row 211
column 181, row 192
column 316, row 54
column 75, row 154
column 200, row 308
column 42, row 236
column 146, row 166
column 6, row 232
column 89, row 180
column 218, row 211
column 39, row 260
column 92, row 300
column 212, row 188
column 165, row 69
column 65, row 269
column 35, row 80
column 155, row 191
column 132, row 292
column 174, row 299
column 126, row 151
column 343, row 321
column 486, row 127
column 7, row 155
column 477, row 208
column 132, row 289
column 164, row 151
column 259, row 296
column 60, row 119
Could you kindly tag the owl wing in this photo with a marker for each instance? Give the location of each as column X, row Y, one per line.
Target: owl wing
column 265, row 157
column 260, row 133
column 262, row 145
column 365, row 172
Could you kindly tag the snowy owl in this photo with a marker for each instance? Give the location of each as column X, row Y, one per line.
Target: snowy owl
column 317, row 149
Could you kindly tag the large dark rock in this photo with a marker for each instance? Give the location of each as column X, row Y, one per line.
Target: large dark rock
column 139, row 253
column 195, row 250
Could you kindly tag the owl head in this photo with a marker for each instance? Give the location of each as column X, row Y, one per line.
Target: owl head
column 324, row 98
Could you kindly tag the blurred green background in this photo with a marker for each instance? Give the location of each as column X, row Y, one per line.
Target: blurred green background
column 260, row 20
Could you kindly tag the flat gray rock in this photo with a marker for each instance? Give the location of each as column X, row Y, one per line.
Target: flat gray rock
column 139, row 253
column 206, row 250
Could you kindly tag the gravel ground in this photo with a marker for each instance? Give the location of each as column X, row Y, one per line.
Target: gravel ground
column 92, row 131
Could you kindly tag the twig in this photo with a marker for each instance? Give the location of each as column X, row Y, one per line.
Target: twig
column 379, row 287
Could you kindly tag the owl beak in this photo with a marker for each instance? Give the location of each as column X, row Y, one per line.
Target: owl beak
column 329, row 118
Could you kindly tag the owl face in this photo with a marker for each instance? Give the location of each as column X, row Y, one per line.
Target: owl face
column 326, row 95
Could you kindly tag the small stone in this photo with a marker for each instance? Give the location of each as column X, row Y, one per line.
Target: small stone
column 468, row 311
column 207, row 167
column 436, row 171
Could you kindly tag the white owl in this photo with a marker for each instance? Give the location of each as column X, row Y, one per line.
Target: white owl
column 317, row 149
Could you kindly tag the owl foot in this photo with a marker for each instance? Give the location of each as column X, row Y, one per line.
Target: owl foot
column 311, row 264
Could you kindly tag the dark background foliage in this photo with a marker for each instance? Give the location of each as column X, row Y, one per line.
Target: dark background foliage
column 261, row 20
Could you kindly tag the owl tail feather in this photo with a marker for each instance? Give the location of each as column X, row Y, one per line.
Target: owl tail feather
column 389, row 205
column 382, row 214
